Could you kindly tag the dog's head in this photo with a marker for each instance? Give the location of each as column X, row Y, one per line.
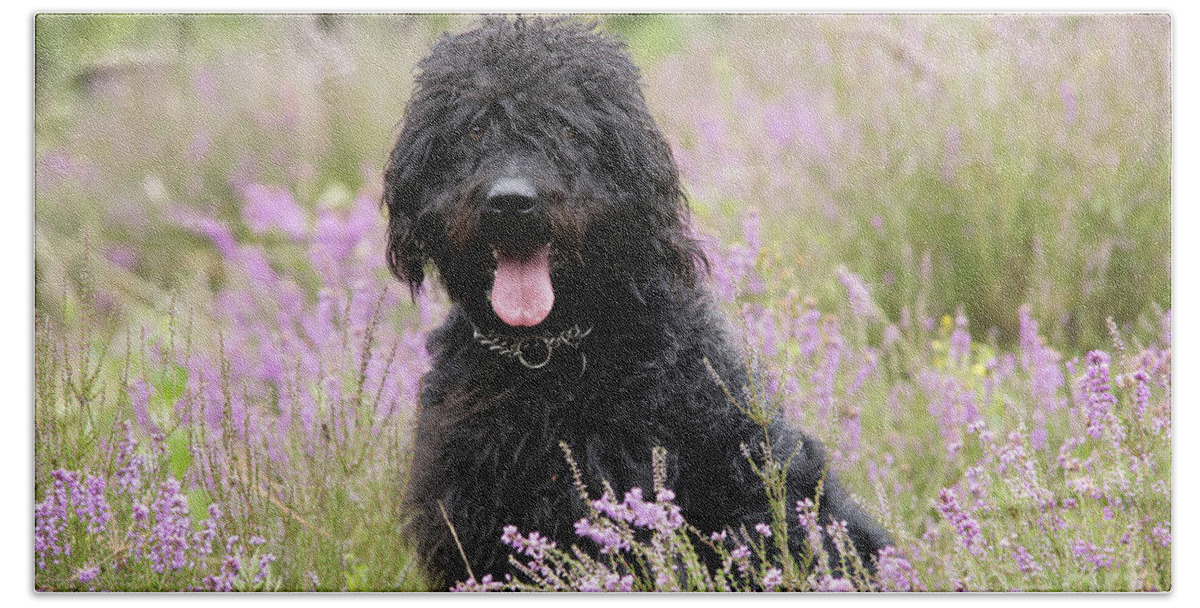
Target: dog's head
column 530, row 172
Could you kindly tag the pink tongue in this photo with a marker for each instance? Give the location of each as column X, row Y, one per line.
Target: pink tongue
column 521, row 294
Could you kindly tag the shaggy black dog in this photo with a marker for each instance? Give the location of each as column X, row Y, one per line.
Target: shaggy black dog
column 531, row 174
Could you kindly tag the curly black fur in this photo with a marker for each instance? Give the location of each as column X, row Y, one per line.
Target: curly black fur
column 558, row 105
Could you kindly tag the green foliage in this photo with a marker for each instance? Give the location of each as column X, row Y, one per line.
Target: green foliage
column 650, row 38
column 179, row 456
column 169, row 384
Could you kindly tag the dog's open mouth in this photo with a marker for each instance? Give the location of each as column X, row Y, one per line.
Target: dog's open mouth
column 522, row 295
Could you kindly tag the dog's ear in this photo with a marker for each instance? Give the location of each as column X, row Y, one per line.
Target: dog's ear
column 403, row 188
column 644, row 164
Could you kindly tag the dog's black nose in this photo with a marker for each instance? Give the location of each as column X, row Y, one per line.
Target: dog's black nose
column 511, row 196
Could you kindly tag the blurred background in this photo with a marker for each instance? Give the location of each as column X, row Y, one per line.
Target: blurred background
column 996, row 160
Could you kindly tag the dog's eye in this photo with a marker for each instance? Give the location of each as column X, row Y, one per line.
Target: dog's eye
column 476, row 132
column 568, row 133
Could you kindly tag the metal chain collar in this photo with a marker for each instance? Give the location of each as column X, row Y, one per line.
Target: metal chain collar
column 515, row 347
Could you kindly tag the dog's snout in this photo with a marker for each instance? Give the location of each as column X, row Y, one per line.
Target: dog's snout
column 511, row 196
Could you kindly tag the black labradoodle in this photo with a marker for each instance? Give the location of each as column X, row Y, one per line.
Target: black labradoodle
column 531, row 174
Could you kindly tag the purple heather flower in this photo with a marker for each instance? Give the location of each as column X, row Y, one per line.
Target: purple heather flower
column 510, row 535
column 891, row 335
column 254, row 263
column 1042, row 364
column 828, row 583
column 122, row 256
column 589, row 584
column 534, row 546
column 760, row 324
column 91, row 506
column 129, row 463
column 264, row 561
column 66, row 482
column 471, row 585
column 1015, row 462
column 870, row 361
column 952, row 402
column 223, row 581
column 806, row 511
column 616, row 582
column 1025, row 562
column 336, row 237
column 1098, row 557
column 807, row 330
column 859, row 295
column 1141, row 394
column 752, row 230
column 269, row 208
column 839, row 533
column 634, row 510
column 966, row 526
column 1067, row 461
column 203, row 538
column 1039, row 436
column 49, row 522
column 608, row 506
column 139, row 396
column 895, row 573
column 772, row 579
column 51, row 168
column 169, row 545
column 712, row 132
column 1162, row 534
column 1099, row 400
column 1162, row 424
column 741, row 555
column 977, row 483
column 605, row 535
column 824, row 379
column 960, row 341
column 274, row 331
column 217, row 232
column 665, row 581
column 763, row 529
column 798, row 123
column 51, row 517
column 88, row 574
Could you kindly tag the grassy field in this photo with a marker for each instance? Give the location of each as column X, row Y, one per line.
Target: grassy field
column 946, row 239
